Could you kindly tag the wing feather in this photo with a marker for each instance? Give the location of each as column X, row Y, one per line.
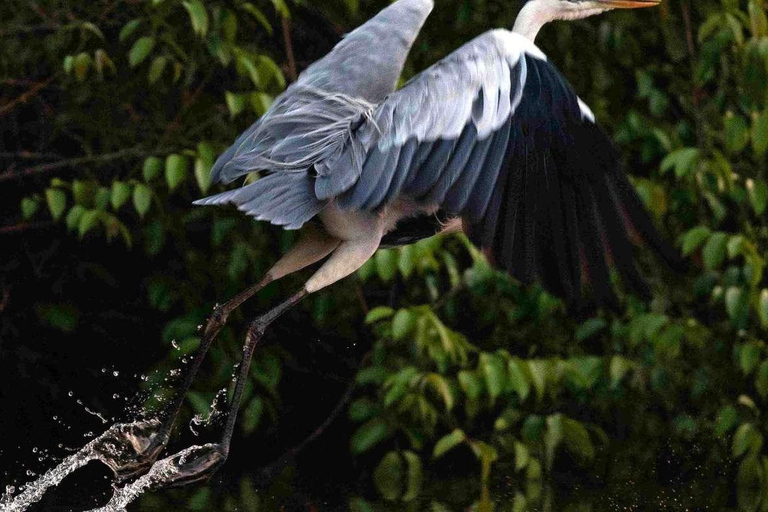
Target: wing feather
column 496, row 135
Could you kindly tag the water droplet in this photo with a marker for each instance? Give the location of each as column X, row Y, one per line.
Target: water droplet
column 174, row 344
column 103, row 370
column 184, row 360
column 9, row 489
column 115, row 396
column 199, row 327
column 34, row 450
column 70, row 394
column 30, row 472
column 115, row 373
column 55, row 418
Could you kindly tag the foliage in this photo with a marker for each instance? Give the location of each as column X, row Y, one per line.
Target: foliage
column 465, row 364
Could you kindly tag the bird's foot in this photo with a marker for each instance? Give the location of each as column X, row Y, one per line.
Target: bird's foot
column 130, row 449
column 190, row 466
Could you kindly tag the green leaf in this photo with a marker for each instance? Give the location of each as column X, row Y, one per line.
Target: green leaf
column 82, row 62
column 403, row 324
column 694, row 238
column 128, row 29
column 737, row 134
column 73, row 217
column 252, row 415
column 763, row 308
column 757, row 20
column 618, row 369
column 378, row 314
column 760, row 134
column 441, row 387
column 406, row 261
column 448, row 443
column 737, row 305
column 29, row 207
column 175, row 170
column 761, row 380
column 140, row 50
column 414, row 476
column 758, row 195
column 282, row 8
column 202, row 175
column 683, row 161
column 152, row 168
column 121, row 192
column 749, row 357
column 388, row 476
column 727, row 419
column 198, row 16
column 63, row 317
column 57, row 202
column 590, row 328
column 142, row 199
column 362, row 409
column 577, row 441
column 519, row 378
column 715, row 250
column 103, row 197
column 493, row 368
column 88, row 221
column 246, row 66
column 258, row 16
column 369, row 435
column 386, row 264
column 69, row 64
column 471, row 384
column 522, row 456
column 156, row 69
column 745, row 438
column 235, row 103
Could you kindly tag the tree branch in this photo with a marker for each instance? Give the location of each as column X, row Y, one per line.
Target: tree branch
column 19, row 228
column 293, row 73
column 70, row 162
column 4, row 109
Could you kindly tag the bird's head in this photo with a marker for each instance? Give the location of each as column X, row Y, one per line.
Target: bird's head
column 536, row 13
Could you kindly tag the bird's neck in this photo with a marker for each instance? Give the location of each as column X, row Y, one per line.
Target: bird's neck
column 537, row 13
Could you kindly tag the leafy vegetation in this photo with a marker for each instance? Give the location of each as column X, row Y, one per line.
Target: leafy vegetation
column 115, row 113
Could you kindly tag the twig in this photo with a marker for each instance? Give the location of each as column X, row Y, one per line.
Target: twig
column 290, row 454
column 292, row 71
column 695, row 91
column 71, row 162
column 29, row 155
column 25, row 96
column 18, row 228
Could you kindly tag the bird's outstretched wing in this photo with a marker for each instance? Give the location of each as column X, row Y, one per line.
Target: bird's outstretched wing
column 496, row 135
column 307, row 122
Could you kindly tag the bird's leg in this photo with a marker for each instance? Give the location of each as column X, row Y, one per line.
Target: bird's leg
column 201, row 462
column 134, row 447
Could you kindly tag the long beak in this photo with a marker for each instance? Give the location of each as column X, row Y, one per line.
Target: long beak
column 630, row 4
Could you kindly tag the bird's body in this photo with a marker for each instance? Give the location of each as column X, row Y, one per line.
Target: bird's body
column 492, row 137
column 492, row 140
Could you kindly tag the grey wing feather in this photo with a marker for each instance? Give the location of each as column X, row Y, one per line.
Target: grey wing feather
column 310, row 126
column 284, row 199
column 502, row 141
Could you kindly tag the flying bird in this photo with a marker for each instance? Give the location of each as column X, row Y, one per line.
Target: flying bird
column 492, row 141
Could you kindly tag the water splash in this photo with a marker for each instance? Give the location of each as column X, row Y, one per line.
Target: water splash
column 214, row 412
column 160, row 473
column 32, row 492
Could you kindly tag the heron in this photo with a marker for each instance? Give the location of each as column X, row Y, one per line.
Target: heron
column 491, row 141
